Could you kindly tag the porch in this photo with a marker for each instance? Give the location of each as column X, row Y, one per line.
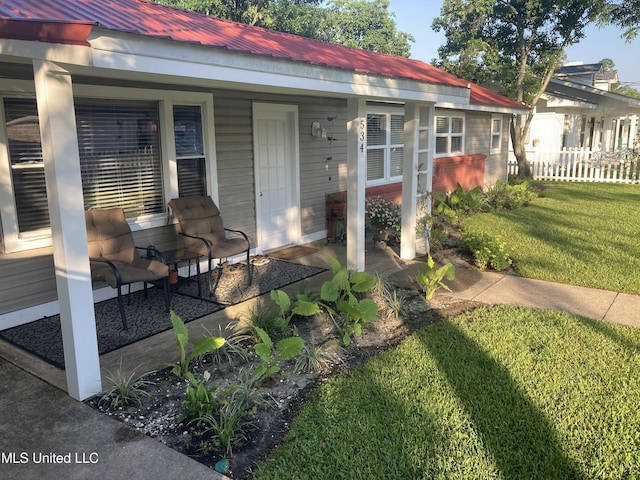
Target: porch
column 155, row 352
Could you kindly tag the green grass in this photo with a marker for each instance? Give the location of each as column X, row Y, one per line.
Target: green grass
column 583, row 234
column 502, row 392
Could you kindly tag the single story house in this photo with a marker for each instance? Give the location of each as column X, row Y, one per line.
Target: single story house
column 129, row 103
column 578, row 111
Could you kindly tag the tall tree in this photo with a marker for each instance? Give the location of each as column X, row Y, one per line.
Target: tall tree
column 518, row 43
column 626, row 14
column 364, row 24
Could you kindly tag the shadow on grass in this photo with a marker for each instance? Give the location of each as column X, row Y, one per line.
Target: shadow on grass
column 611, row 333
column 520, row 439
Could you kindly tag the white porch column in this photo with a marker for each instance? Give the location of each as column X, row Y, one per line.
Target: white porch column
column 56, row 113
column 356, row 181
column 409, row 181
column 417, row 171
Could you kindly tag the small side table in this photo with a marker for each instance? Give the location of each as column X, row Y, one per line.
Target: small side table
column 180, row 256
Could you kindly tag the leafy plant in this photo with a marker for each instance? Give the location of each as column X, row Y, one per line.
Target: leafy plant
column 199, row 399
column 502, row 195
column 276, row 321
column 270, row 354
column 431, row 279
column 458, row 202
column 487, row 251
column 201, row 346
column 303, row 305
column 126, row 389
column 342, row 290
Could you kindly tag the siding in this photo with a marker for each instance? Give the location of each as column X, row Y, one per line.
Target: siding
column 27, row 279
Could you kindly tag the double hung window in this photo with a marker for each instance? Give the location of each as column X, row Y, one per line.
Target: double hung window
column 385, row 146
column 449, row 135
column 187, row 127
column 496, row 134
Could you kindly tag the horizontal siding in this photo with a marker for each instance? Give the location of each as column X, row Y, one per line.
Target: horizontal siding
column 322, row 162
column 27, row 279
column 496, row 166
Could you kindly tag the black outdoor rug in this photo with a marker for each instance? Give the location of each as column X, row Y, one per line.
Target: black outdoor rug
column 147, row 316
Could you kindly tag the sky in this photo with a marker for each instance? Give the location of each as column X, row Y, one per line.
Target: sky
column 416, row 17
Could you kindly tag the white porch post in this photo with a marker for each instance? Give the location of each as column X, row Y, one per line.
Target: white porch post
column 356, row 180
column 409, row 181
column 417, row 171
column 56, row 113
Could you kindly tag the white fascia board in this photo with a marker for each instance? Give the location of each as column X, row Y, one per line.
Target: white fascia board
column 197, row 64
column 53, row 52
column 473, row 107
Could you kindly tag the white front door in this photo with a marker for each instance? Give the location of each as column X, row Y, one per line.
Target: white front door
column 277, row 175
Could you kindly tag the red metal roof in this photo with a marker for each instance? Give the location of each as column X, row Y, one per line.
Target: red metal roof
column 155, row 20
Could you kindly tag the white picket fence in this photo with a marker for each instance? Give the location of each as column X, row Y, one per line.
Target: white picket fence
column 580, row 165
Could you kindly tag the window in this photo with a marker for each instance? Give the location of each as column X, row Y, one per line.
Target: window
column 496, row 134
column 385, row 147
column 27, row 166
column 122, row 164
column 187, row 127
column 120, row 159
column 449, row 135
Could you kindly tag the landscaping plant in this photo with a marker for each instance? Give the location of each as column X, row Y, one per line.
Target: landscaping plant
column 271, row 354
column 487, row 251
column 126, row 389
column 431, row 279
column 201, row 346
column 343, row 290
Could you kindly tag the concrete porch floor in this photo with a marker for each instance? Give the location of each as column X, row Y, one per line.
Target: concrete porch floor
column 156, row 352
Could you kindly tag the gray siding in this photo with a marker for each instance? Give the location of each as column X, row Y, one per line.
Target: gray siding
column 27, row 279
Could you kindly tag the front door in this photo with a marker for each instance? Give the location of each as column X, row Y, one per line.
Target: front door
column 276, row 166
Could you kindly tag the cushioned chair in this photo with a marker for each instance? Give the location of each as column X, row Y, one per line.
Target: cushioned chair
column 114, row 259
column 204, row 233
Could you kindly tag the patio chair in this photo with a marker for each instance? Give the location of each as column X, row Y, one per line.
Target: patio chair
column 204, row 232
column 113, row 256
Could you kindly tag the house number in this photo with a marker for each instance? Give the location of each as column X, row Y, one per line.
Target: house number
column 362, row 134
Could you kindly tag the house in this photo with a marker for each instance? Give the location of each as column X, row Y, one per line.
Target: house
column 578, row 110
column 130, row 103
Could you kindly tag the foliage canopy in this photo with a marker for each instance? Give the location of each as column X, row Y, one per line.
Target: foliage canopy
column 365, row 24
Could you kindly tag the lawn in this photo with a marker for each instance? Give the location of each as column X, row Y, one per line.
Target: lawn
column 502, row 392
column 583, row 234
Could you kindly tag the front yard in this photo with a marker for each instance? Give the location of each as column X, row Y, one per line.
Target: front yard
column 583, row 234
column 501, row 392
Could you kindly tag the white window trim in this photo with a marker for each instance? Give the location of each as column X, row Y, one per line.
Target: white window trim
column 387, row 111
column 449, row 135
column 498, row 134
column 13, row 241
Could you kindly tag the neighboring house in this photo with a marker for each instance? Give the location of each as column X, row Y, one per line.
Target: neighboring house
column 578, row 110
column 129, row 103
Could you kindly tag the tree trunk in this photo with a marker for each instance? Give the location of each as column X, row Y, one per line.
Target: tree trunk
column 518, row 129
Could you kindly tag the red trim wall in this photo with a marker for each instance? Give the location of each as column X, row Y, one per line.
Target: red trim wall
column 467, row 170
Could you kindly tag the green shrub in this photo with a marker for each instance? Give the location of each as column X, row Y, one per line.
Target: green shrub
column 502, row 196
column 487, row 251
column 458, row 202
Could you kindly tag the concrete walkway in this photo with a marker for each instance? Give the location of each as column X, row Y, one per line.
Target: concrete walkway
column 40, row 422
